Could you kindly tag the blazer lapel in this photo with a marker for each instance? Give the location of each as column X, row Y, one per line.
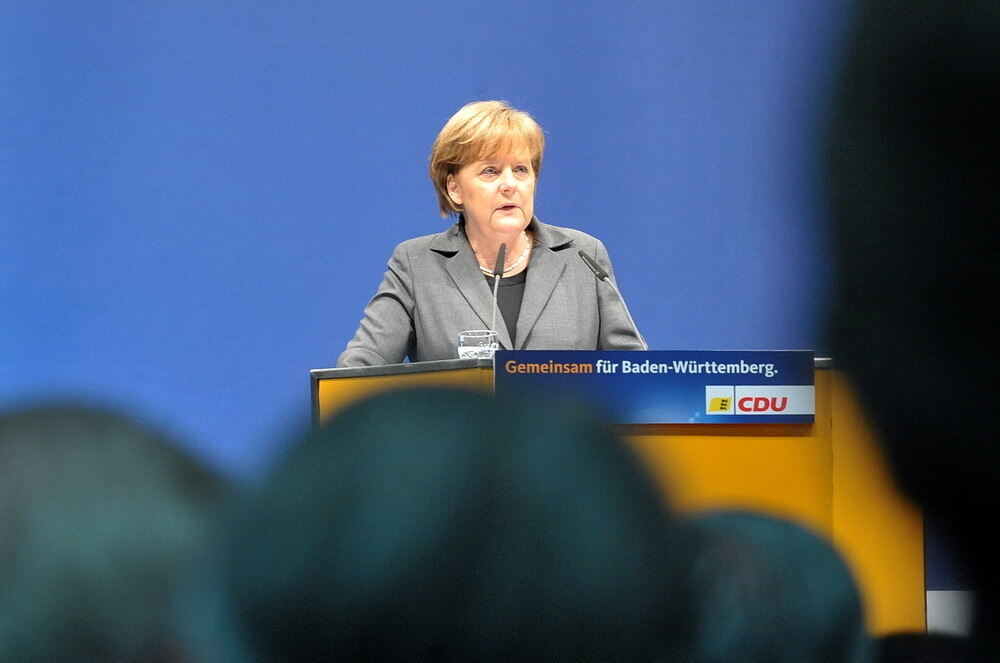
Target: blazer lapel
column 545, row 269
column 470, row 281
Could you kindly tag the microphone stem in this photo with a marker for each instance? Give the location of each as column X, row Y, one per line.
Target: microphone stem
column 497, row 273
column 627, row 313
column 496, row 284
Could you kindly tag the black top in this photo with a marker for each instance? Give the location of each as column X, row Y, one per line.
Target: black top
column 509, row 296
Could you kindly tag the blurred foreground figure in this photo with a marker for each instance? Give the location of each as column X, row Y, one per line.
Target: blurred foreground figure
column 770, row 591
column 102, row 528
column 915, row 183
column 923, row 648
column 446, row 526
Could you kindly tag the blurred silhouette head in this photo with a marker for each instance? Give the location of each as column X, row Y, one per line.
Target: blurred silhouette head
column 769, row 590
column 446, row 526
column 923, row 648
column 914, row 169
column 914, row 181
column 102, row 525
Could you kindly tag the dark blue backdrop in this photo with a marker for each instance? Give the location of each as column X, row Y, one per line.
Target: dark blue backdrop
column 197, row 199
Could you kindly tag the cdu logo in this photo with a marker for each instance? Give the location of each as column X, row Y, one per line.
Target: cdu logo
column 774, row 400
column 723, row 404
column 719, row 399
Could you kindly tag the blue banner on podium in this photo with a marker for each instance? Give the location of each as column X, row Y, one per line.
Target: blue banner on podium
column 670, row 386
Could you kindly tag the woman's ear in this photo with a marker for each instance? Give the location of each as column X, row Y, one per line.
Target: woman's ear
column 453, row 192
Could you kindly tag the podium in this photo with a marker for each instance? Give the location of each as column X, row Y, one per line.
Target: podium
column 828, row 475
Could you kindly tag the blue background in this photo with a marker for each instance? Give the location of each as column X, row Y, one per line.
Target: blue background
column 197, row 199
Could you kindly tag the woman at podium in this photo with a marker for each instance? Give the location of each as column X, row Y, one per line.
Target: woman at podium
column 484, row 165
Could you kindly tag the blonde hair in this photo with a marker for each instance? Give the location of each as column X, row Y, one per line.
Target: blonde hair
column 479, row 130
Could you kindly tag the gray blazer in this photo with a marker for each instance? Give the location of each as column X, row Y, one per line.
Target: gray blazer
column 433, row 289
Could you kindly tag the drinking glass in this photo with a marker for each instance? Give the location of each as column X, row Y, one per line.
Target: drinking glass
column 477, row 344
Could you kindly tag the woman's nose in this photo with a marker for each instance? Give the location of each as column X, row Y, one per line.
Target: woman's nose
column 507, row 181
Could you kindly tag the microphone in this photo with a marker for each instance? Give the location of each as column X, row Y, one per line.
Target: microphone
column 501, row 259
column 595, row 268
column 602, row 275
column 497, row 275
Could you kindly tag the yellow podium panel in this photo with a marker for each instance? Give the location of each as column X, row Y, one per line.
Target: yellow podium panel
column 335, row 388
column 703, row 467
column 828, row 475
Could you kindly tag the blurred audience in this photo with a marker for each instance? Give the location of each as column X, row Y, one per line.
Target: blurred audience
column 415, row 526
column 103, row 525
column 447, row 526
column 770, row 591
column 914, row 170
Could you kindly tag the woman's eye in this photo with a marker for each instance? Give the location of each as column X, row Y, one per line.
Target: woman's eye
column 489, row 170
column 521, row 169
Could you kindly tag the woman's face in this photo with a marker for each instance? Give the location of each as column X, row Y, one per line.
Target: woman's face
column 497, row 194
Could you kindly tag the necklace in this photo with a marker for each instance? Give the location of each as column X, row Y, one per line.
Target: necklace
column 520, row 259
